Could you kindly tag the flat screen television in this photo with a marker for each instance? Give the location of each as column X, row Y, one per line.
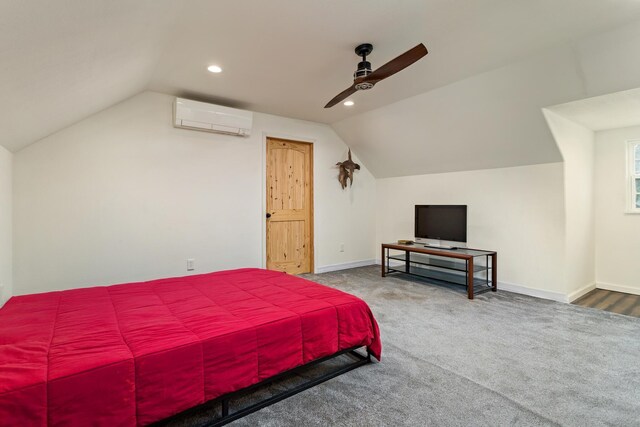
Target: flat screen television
column 441, row 222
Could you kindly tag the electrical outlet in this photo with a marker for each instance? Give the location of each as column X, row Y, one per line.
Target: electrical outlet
column 191, row 264
column 341, row 247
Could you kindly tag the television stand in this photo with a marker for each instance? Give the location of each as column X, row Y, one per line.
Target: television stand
column 475, row 269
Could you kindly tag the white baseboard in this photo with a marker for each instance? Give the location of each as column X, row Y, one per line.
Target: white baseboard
column 538, row 293
column 618, row 288
column 580, row 292
column 345, row 266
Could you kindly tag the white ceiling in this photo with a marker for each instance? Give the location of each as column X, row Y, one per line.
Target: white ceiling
column 289, row 57
column 611, row 111
column 65, row 60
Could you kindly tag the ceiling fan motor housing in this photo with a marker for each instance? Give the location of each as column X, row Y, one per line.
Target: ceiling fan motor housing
column 364, row 69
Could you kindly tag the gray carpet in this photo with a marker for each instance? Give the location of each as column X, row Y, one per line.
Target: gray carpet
column 502, row 359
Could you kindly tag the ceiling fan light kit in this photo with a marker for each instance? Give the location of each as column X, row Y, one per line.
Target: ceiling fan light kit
column 364, row 78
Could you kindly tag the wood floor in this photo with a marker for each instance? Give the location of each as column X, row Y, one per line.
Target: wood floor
column 616, row 302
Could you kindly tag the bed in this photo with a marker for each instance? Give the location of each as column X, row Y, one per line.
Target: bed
column 138, row 353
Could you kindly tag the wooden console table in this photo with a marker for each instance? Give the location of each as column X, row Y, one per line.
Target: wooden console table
column 462, row 266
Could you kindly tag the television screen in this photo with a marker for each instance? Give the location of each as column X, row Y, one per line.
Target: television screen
column 442, row 222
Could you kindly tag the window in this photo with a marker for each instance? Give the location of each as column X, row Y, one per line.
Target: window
column 633, row 169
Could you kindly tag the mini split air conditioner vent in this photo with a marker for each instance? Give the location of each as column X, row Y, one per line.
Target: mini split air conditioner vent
column 205, row 117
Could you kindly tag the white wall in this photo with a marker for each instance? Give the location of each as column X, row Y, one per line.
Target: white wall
column 6, row 248
column 617, row 233
column 519, row 212
column 124, row 196
column 576, row 144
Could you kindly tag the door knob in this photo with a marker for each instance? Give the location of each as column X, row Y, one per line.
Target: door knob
column 268, row 215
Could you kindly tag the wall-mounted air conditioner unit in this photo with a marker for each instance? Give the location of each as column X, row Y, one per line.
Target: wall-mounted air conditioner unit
column 196, row 115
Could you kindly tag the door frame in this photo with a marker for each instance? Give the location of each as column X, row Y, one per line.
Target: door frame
column 263, row 191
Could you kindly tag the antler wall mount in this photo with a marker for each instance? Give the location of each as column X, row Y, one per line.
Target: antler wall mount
column 346, row 171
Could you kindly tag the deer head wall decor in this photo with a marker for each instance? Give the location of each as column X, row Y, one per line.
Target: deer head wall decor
column 346, row 171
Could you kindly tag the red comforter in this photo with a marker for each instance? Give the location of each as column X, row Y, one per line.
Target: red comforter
column 137, row 353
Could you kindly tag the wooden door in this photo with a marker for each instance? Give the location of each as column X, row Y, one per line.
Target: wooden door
column 289, row 206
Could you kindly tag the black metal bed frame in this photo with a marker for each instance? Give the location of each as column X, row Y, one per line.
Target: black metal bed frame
column 224, row 400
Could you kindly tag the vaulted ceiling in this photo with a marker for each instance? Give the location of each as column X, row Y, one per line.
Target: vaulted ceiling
column 65, row 60
column 611, row 111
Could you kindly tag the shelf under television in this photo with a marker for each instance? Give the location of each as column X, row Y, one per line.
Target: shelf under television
column 475, row 269
column 435, row 261
column 443, row 277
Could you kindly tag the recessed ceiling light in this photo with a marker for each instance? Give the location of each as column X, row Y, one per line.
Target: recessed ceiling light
column 214, row 69
column 348, row 103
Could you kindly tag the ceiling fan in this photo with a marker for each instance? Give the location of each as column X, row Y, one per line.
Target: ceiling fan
column 364, row 78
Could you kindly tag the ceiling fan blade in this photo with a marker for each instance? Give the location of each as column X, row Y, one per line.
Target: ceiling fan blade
column 397, row 64
column 341, row 96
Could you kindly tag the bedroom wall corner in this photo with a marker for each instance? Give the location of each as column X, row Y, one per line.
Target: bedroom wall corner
column 6, row 226
column 576, row 143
